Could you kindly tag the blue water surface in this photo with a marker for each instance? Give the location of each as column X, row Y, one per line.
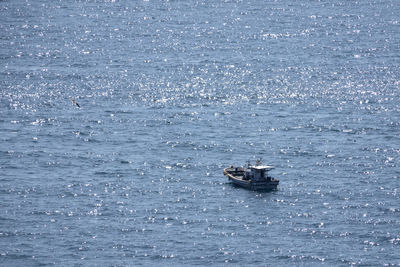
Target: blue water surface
column 172, row 92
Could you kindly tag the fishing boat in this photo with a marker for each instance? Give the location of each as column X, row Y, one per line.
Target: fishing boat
column 253, row 177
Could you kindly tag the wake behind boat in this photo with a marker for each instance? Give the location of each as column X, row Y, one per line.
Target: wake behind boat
column 253, row 177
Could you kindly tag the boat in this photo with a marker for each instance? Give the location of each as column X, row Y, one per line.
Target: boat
column 253, row 177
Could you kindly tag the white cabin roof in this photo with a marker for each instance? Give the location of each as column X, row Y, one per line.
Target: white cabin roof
column 265, row 167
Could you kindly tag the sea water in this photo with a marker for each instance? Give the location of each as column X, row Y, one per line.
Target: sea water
column 172, row 92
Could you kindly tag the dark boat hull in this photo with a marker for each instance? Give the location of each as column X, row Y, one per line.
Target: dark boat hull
column 235, row 175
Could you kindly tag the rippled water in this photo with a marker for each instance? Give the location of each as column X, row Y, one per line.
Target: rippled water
column 170, row 93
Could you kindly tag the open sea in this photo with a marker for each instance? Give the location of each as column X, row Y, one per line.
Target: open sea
column 117, row 119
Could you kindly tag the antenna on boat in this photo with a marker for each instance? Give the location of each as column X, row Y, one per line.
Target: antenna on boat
column 259, row 162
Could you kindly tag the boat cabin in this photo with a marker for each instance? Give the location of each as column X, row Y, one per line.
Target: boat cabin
column 257, row 173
